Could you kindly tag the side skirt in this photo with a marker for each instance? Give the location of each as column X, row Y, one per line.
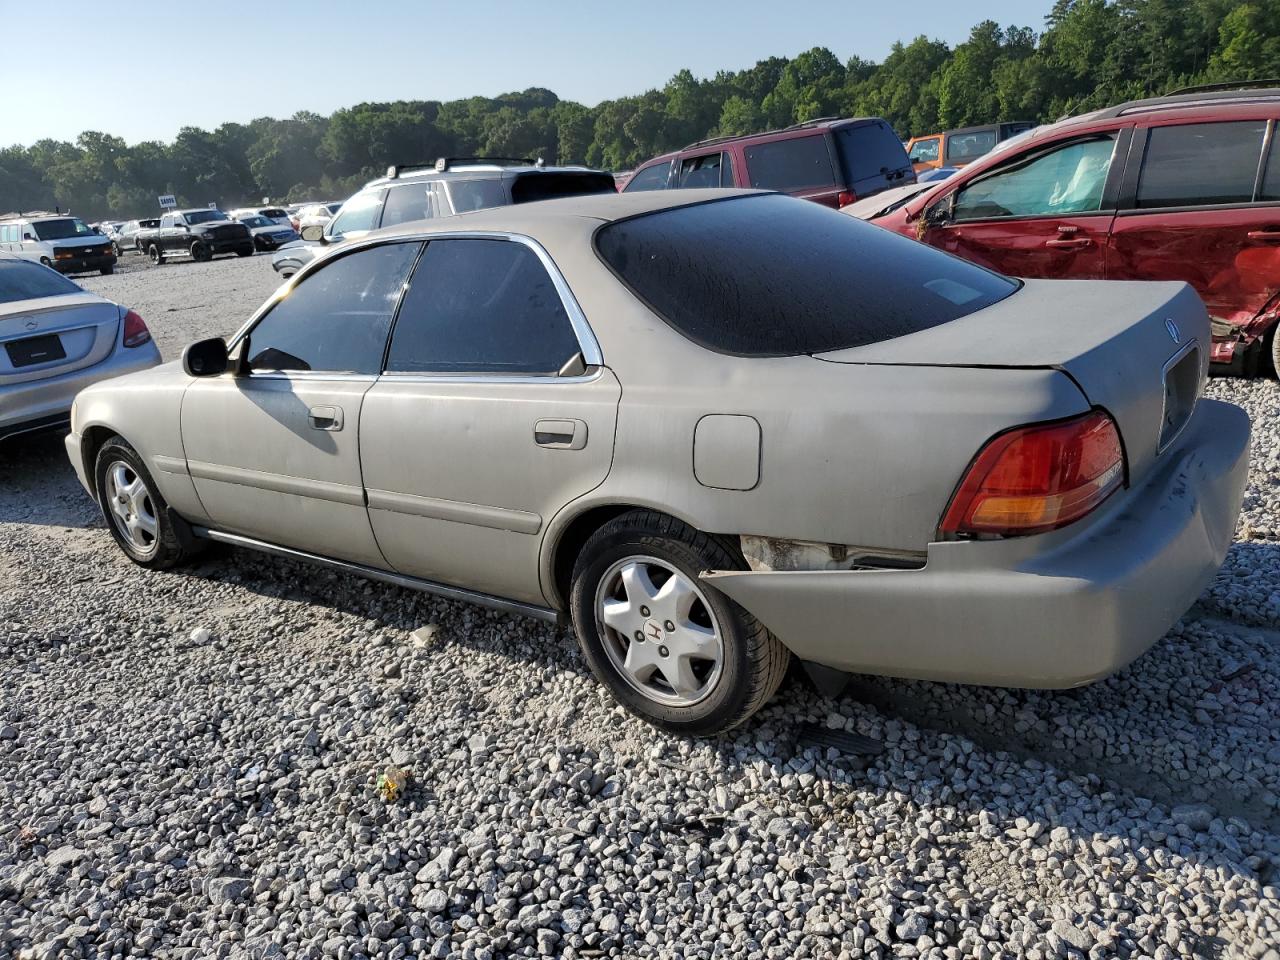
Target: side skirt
column 383, row 576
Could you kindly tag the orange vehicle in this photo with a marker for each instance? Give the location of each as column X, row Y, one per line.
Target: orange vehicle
column 955, row 148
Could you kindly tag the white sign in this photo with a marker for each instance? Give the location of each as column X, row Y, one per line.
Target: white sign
column 168, row 201
column 213, row 206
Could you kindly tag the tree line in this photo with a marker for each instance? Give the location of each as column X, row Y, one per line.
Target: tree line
column 1091, row 53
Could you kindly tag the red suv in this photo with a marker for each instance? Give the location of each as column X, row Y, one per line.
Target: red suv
column 831, row 161
column 1182, row 187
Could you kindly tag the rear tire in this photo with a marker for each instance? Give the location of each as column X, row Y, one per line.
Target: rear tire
column 723, row 664
column 154, row 253
column 115, row 249
column 136, row 513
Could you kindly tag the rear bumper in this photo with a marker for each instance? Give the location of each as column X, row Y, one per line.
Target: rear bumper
column 1050, row 611
column 40, row 404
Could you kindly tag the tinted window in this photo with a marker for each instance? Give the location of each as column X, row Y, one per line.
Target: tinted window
column 713, row 271
column 1067, row 180
column 467, row 195
column 336, row 320
column 410, row 202
column 481, row 306
column 358, row 213
column 924, row 151
column 970, row 146
column 528, row 187
column 1201, row 163
column 204, row 216
column 700, row 171
column 650, row 178
column 868, row 152
column 791, row 164
column 24, row 280
column 726, row 170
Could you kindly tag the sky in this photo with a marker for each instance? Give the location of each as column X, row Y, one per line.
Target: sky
column 142, row 70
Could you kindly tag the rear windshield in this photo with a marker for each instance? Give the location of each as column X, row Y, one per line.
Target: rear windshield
column 24, row 280
column 771, row 276
column 547, row 186
column 871, row 149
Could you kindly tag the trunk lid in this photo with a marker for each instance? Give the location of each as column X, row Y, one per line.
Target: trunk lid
column 1138, row 350
column 51, row 336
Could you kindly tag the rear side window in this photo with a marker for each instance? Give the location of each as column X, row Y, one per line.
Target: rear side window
column 970, row 146
column 708, row 171
column 407, row 203
column 1201, row 163
column 650, row 178
column 336, row 320
column 24, row 280
column 529, row 187
column 468, row 195
column 713, row 272
column 794, row 164
column 481, row 306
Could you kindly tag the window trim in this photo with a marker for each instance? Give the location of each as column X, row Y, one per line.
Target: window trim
column 1128, row 200
column 588, row 344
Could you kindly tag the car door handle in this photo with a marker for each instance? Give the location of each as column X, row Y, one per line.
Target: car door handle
column 1071, row 243
column 1270, row 236
column 560, row 434
column 325, row 418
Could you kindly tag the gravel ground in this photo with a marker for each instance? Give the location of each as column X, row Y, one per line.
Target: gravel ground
column 189, row 764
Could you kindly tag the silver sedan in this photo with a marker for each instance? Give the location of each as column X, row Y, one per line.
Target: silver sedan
column 55, row 340
column 714, row 429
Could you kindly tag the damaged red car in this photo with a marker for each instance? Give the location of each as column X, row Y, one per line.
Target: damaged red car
column 1181, row 187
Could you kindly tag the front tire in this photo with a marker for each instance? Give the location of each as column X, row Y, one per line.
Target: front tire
column 107, row 271
column 200, row 252
column 115, row 249
column 670, row 648
column 136, row 513
column 242, row 252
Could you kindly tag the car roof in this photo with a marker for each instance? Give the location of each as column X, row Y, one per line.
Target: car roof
column 474, row 171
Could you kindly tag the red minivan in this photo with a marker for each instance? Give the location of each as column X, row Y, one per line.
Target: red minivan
column 830, row 161
column 1182, row 187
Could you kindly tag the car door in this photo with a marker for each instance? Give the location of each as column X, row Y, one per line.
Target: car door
column 1044, row 212
column 1202, row 204
column 494, row 412
column 274, row 451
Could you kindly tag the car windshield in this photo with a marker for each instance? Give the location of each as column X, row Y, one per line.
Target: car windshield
column 62, row 229
column 24, row 280
column 204, row 216
column 714, row 272
column 257, row 222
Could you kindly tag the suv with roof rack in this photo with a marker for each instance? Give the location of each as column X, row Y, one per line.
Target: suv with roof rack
column 1180, row 187
column 449, row 186
column 831, row 161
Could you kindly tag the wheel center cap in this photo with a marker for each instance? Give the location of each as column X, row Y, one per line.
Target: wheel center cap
column 652, row 630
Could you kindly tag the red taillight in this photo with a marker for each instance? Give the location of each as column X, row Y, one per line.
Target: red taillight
column 1038, row 478
column 135, row 331
column 846, row 197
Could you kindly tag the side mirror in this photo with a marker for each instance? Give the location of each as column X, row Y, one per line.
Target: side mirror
column 940, row 212
column 205, row 358
column 313, row 232
column 28, row 236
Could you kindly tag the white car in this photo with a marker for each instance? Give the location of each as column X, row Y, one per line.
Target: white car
column 67, row 244
column 317, row 214
column 275, row 214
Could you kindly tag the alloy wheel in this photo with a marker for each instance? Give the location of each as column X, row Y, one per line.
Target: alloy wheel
column 659, row 632
column 131, row 508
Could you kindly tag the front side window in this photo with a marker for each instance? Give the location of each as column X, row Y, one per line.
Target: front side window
column 793, row 164
column 924, row 151
column 24, row 280
column 1067, row 180
column 481, row 306
column 969, row 146
column 1201, row 163
column 650, row 178
column 468, row 195
column 357, row 214
column 713, row 272
column 62, row 229
column 407, row 203
column 336, row 320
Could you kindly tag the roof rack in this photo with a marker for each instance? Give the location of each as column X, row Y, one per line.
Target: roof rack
column 1226, row 85
column 444, row 163
column 810, row 123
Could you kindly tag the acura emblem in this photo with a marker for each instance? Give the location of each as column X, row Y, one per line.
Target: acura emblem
column 1172, row 327
column 31, row 323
